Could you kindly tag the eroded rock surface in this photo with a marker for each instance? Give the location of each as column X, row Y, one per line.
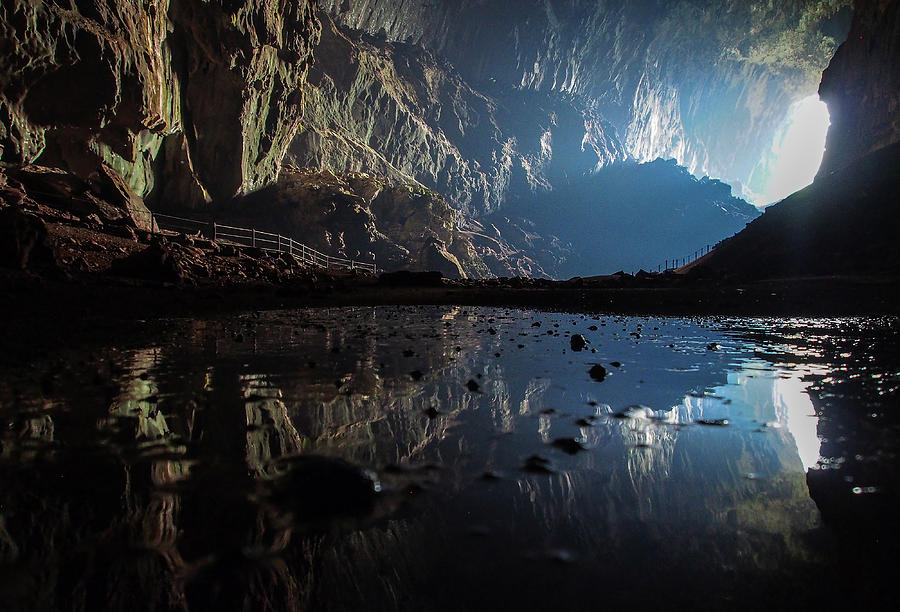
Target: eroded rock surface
column 213, row 85
column 704, row 83
column 366, row 218
column 862, row 86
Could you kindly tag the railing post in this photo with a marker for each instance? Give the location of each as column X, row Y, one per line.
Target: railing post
column 152, row 223
column 253, row 237
column 214, row 231
column 279, row 243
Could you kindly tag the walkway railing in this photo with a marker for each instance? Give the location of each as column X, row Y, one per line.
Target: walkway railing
column 252, row 237
column 678, row 262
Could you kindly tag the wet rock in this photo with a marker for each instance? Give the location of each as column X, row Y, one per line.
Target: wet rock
column 568, row 445
column 122, row 231
column 431, row 412
column 712, row 346
column 473, row 386
column 577, row 342
column 536, row 464
column 316, row 488
column 713, row 422
column 598, row 373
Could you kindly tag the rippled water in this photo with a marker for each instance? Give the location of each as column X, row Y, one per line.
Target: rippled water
column 453, row 458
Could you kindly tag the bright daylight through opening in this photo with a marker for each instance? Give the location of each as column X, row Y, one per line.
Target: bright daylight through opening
column 796, row 153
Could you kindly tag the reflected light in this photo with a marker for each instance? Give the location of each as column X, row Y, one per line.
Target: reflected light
column 795, row 404
column 796, row 153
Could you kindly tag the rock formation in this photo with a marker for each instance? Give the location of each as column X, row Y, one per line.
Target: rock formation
column 704, row 84
column 400, row 111
column 212, row 86
column 862, row 86
column 845, row 222
column 197, row 104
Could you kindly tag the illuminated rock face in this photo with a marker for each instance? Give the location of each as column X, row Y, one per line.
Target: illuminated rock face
column 201, row 98
column 862, row 86
column 706, row 85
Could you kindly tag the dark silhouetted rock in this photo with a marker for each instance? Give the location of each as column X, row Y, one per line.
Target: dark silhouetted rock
column 598, row 373
column 568, row 445
column 537, row 465
column 713, row 422
column 315, row 488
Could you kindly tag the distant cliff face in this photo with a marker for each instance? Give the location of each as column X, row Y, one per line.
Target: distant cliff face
column 704, row 83
column 399, row 111
column 862, row 86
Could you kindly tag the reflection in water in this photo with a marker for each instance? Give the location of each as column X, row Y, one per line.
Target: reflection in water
column 435, row 458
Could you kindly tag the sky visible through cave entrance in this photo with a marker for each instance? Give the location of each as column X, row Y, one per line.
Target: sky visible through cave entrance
column 795, row 155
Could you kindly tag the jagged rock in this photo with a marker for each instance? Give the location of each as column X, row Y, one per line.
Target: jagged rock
column 109, row 82
column 651, row 83
column 400, row 111
column 577, row 342
column 104, row 194
column 364, row 218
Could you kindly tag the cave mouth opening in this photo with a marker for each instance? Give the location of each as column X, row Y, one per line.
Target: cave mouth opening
column 792, row 161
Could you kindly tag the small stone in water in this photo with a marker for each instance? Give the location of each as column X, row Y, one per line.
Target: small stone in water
column 568, row 445
column 598, row 373
column 713, row 422
column 537, row 465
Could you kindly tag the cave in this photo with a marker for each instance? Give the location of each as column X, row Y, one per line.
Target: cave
column 443, row 304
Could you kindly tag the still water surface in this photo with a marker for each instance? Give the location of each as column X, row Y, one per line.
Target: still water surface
column 453, row 458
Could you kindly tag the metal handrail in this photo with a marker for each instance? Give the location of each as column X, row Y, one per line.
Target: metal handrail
column 257, row 238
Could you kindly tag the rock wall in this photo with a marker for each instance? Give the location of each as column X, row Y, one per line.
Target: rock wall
column 366, row 218
column 862, row 86
column 704, row 83
column 213, row 86
column 399, row 111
